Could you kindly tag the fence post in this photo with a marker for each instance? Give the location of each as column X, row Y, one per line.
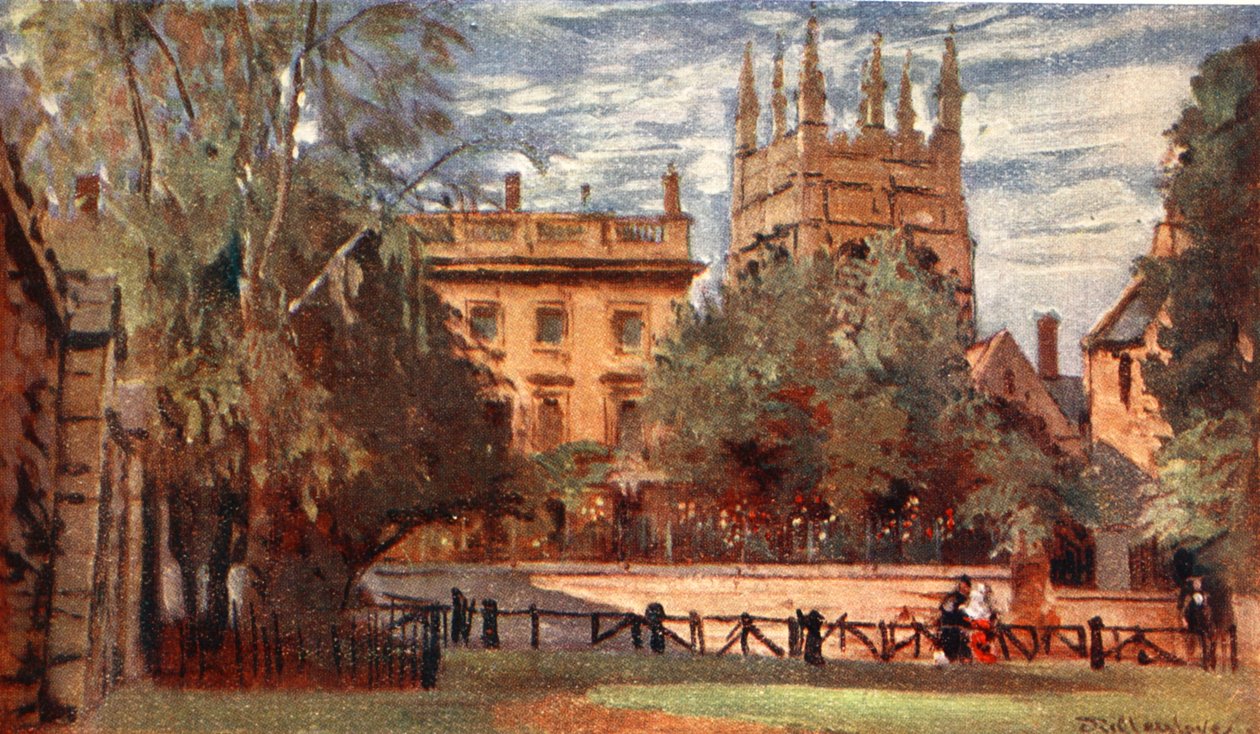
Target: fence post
column 813, row 623
column 636, row 631
column 183, row 669
column 1204, row 651
column 1096, row 655
column 432, row 649
column 279, row 645
column 794, row 635
column 745, row 622
column 266, row 652
column 594, row 628
column 883, row 641
column 655, row 616
column 490, row 624
column 236, row 642
column 457, row 613
column 1233, row 648
column 697, row 632
column 253, row 640
column 533, row 626
column 354, row 651
column 336, row 649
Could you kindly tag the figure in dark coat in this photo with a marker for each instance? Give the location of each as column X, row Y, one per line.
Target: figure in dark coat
column 953, row 620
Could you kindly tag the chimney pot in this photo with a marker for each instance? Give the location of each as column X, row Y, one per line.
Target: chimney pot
column 673, row 200
column 1048, row 346
column 512, row 192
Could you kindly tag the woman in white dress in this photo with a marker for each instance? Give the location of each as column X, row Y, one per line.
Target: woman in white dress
column 980, row 617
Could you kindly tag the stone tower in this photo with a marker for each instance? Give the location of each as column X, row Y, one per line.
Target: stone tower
column 813, row 189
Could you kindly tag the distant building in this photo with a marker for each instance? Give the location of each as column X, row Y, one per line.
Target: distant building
column 1000, row 370
column 1054, row 406
column 1122, row 413
column 807, row 190
column 1126, row 426
column 564, row 307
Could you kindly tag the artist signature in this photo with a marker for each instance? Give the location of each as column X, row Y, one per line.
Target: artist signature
column 1142, row 725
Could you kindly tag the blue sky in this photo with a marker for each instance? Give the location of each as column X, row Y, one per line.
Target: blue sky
column 1063, row 119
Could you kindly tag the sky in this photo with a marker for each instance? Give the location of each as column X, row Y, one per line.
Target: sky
column 1063, row 119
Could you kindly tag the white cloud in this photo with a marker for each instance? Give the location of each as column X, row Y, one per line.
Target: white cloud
column 1118, row 113
column 1027, row 37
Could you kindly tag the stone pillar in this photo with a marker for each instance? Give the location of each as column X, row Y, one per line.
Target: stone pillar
column 1111, row 560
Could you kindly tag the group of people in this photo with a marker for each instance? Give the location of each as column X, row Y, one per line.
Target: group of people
column 967, row 623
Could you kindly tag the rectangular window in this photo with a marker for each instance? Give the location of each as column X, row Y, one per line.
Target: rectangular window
column 549, row 325
column 629, row 426
column 628, row 331
column 550, row 429
column 483, row 320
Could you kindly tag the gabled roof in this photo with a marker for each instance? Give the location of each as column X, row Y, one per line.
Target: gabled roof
column 1127, row 321
column 22, row 242
column 1069, row 394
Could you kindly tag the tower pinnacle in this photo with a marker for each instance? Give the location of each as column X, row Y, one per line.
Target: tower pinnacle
column 949, row 93
column 873, row 87
column 905, row 101
column 813, row 92
column 749, row 108
column 778, row 101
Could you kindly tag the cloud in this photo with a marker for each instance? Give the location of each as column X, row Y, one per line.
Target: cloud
column 1118, row 113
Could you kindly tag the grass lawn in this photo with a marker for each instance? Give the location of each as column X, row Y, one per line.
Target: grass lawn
column 479, row 691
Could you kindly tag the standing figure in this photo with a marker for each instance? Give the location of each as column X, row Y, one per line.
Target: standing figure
column 1197, row 612
column 953, row 620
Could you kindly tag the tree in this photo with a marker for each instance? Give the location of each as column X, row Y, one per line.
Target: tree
column 1208, row 382
column 269, row 135
column 761, row 399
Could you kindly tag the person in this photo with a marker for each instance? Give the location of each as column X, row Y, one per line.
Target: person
column 980, row 618
column 1196, row 611
column 953, row 620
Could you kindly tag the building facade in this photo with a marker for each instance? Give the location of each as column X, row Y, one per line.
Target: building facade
column 565, row 308
column 811, row 189
column 1126, row 425
column 70, row 505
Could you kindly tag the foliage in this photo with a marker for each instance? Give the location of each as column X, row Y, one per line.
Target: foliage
column 240, row 146
column 837, row 391
column 1208, row 385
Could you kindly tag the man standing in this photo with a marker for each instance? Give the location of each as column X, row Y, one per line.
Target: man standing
column 953, row 620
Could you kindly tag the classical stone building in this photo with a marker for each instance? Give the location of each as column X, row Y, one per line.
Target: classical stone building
column 564, row 307
column 810, row 189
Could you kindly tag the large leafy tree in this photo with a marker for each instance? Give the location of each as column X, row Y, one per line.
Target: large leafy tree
column 1208, row 384
column 838, row 391
column 253, row 139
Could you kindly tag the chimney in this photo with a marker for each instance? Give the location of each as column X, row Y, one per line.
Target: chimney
column 586, row 196
column 1048, row 346
column 673, row 202
column 87, row 193
column 512, row 192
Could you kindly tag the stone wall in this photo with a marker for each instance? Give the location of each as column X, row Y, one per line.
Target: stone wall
column 28, row 352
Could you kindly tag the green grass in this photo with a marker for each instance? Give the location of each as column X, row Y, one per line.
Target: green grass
column 848, row 696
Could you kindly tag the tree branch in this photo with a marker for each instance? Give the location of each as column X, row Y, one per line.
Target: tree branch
column 166, row 51
column 289, row 146
column 137, row 109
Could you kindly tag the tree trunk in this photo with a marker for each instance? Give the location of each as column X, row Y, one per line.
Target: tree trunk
column 1031, row 592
